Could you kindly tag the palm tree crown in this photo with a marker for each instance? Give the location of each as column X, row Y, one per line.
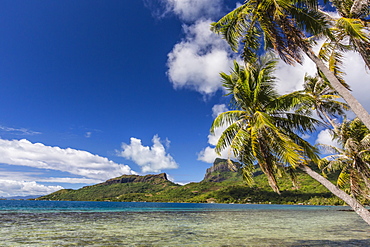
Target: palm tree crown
column 317, row 95
column 352, row 159
column 349, row 31
column 261, row 129
column 281, row 25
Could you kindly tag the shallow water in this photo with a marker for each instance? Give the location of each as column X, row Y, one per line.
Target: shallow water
column 167, row 224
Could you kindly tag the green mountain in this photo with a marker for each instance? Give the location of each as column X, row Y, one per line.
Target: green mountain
column 221, row 184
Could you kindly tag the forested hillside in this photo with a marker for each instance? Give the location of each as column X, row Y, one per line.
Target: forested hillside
column 220, row 185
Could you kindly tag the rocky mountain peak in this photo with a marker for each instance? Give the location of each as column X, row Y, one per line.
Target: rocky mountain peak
column 213, row 174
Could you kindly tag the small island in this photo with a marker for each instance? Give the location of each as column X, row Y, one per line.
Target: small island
column 220, row 185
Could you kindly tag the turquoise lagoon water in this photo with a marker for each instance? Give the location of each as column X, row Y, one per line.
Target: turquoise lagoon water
column 59, row 223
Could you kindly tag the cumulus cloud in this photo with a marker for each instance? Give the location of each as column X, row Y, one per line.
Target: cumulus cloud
column 191, row 10
column 25, row 188
column 24, row 153
column 291, row 78
column 208, row 154
column 151, row 159
column 358, row 77
column 325, row 137
column 218, row 109
column 197, row 60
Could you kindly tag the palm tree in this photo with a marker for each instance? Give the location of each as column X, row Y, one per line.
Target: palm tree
column 352, row 160
column 317, row 95
column 282, row 25
column 263, row 129
column 260, row 118
column 349, row 31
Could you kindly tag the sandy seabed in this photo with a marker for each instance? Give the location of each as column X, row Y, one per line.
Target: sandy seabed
column 185, row 228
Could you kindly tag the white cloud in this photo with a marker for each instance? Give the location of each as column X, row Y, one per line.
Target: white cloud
column 19, row 131
column 197, row 61
column 191, row 10
column 151, row 159
column 35, row 176
column 326, row 138
column 213, row 138
column 290, row 78
column 208, row 154
column 25, row 188
column 218, row 109
column 24, row 153
column 358, row 77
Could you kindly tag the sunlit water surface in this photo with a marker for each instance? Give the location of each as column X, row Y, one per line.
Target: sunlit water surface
column 42, row 223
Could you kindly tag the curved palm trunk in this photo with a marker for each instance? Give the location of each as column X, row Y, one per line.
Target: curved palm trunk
column 356, row 107
column 267, row 169
column 352, row 202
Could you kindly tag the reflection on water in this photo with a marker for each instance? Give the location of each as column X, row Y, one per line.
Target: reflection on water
column 184, row 228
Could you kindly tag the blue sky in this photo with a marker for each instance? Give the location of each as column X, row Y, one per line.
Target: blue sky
column 95, row 89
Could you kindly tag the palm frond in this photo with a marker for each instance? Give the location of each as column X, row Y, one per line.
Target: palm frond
column 226, row 118
column 293, row 176
column 365, row 142
column 232, row 25
column 343, row 178
column 298, row 123
column 227, row 137
column 354, row 28
column 331, row 52
column 310, row 19
column 247, row 172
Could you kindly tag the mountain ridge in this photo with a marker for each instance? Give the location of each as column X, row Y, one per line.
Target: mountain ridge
column 137, row 179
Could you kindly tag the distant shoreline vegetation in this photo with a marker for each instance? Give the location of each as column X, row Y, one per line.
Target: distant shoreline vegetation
column 220, row 185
